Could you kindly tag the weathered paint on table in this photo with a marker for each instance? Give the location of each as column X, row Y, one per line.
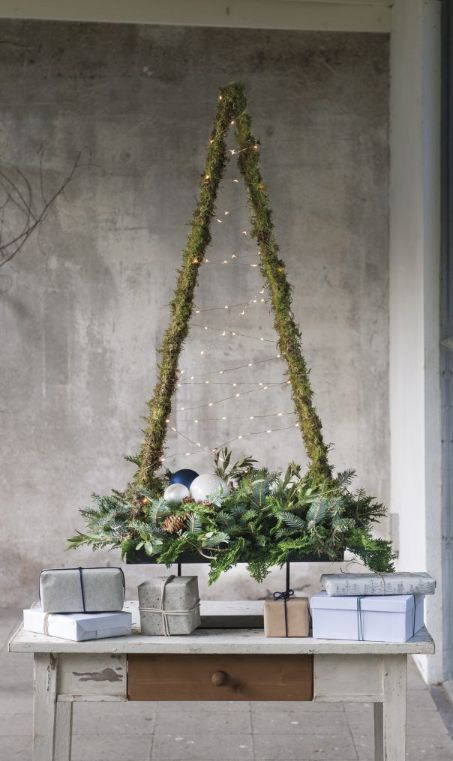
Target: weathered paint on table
column 65, row 672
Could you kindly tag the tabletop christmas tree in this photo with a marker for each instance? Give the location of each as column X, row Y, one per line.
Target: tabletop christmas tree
column 240, row 511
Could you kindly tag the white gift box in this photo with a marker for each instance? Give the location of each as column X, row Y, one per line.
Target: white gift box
column 78, row 626
column 375, row 619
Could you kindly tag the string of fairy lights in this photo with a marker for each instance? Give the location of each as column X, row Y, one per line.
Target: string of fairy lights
column 230, row 380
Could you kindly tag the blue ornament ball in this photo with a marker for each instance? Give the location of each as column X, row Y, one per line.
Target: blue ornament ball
column 184, row 476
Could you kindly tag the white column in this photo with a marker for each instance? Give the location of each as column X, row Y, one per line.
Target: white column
column 414, row 297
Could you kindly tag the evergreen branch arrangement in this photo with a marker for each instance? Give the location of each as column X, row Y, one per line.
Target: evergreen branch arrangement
column 265, row 520
column 267, row 517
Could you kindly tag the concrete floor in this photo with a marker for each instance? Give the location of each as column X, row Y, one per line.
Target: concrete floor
column 222, row 731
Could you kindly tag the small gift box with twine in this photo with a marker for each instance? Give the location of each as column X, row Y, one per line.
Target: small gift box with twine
column 286, row 615
column 169, row 605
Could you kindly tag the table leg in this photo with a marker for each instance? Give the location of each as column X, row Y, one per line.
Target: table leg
column 63, row 731
column 390, row 715
column 44, row 706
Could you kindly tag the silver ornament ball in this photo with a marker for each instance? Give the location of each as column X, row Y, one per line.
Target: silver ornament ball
column 208, row 485
column 175, row 493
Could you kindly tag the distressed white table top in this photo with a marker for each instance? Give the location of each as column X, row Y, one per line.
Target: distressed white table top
column 216, row 641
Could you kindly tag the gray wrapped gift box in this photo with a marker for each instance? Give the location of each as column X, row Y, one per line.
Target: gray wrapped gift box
column 169, row 605
column 82, row 590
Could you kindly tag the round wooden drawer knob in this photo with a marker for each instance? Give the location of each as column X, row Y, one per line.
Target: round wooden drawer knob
column 219, row 678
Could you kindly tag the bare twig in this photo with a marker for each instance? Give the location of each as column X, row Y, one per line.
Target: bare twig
column 18, row 193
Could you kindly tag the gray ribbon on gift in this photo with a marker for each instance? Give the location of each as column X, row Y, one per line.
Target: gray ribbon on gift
column 166, row 613
column 360, row 628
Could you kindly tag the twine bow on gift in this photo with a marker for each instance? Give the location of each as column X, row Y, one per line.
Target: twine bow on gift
column 166, row 613
column 285, row 596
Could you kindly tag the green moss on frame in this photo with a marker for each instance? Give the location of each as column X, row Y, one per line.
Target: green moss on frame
column 231, row 110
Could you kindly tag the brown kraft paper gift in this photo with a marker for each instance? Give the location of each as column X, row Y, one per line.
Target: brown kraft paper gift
column 296, row 623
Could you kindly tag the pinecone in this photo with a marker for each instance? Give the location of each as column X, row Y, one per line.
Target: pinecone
column 188, row 500
column 174, row 523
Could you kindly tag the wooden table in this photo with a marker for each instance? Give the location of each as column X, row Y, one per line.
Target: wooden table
column 216, row 664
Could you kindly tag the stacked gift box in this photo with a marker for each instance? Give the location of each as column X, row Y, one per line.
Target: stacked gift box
column 80, row 604
column 387, row 607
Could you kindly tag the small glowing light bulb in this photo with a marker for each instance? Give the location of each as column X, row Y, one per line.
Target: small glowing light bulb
column 225, row 261
column 251, row 417
column 224, row 333
column 260, row 384
column 296, row 425
column 198, row 444
column 206, row 381
column 224, row 417
column 197, row 311
column 182, row 409
column 220, row 372
column 244, row 232
column 243, row 313
column 195, row 421
column 232, row 122
column 226, row 306
column 192, row 377
column 262, row 300
column 210, row 404
column 239, row 437
column 268, row 430
column 207, row 176
column 167, row 420
column 226, row 213
column 253, row 301
column 234, row 385
column 206, row 327
column 250, row 364
column 265, row 388
column 233, row 333
column 187, row 454
column 238, row 394
column 280, row 414
column 278, row 356
column 235, row 180
column 254, row 265
column 207, row 261
column 211, row 141
column 202, row 352
column 261, row 338
column 233, row 256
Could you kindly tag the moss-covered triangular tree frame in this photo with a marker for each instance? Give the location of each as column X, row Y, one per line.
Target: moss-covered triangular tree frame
column 231, row 113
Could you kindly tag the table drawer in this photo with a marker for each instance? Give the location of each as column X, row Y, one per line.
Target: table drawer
column 220, row 677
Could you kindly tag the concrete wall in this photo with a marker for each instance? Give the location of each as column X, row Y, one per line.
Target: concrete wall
column 84, row 305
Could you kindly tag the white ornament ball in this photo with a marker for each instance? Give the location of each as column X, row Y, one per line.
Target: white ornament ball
column 175, row 493
column 208, row 485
